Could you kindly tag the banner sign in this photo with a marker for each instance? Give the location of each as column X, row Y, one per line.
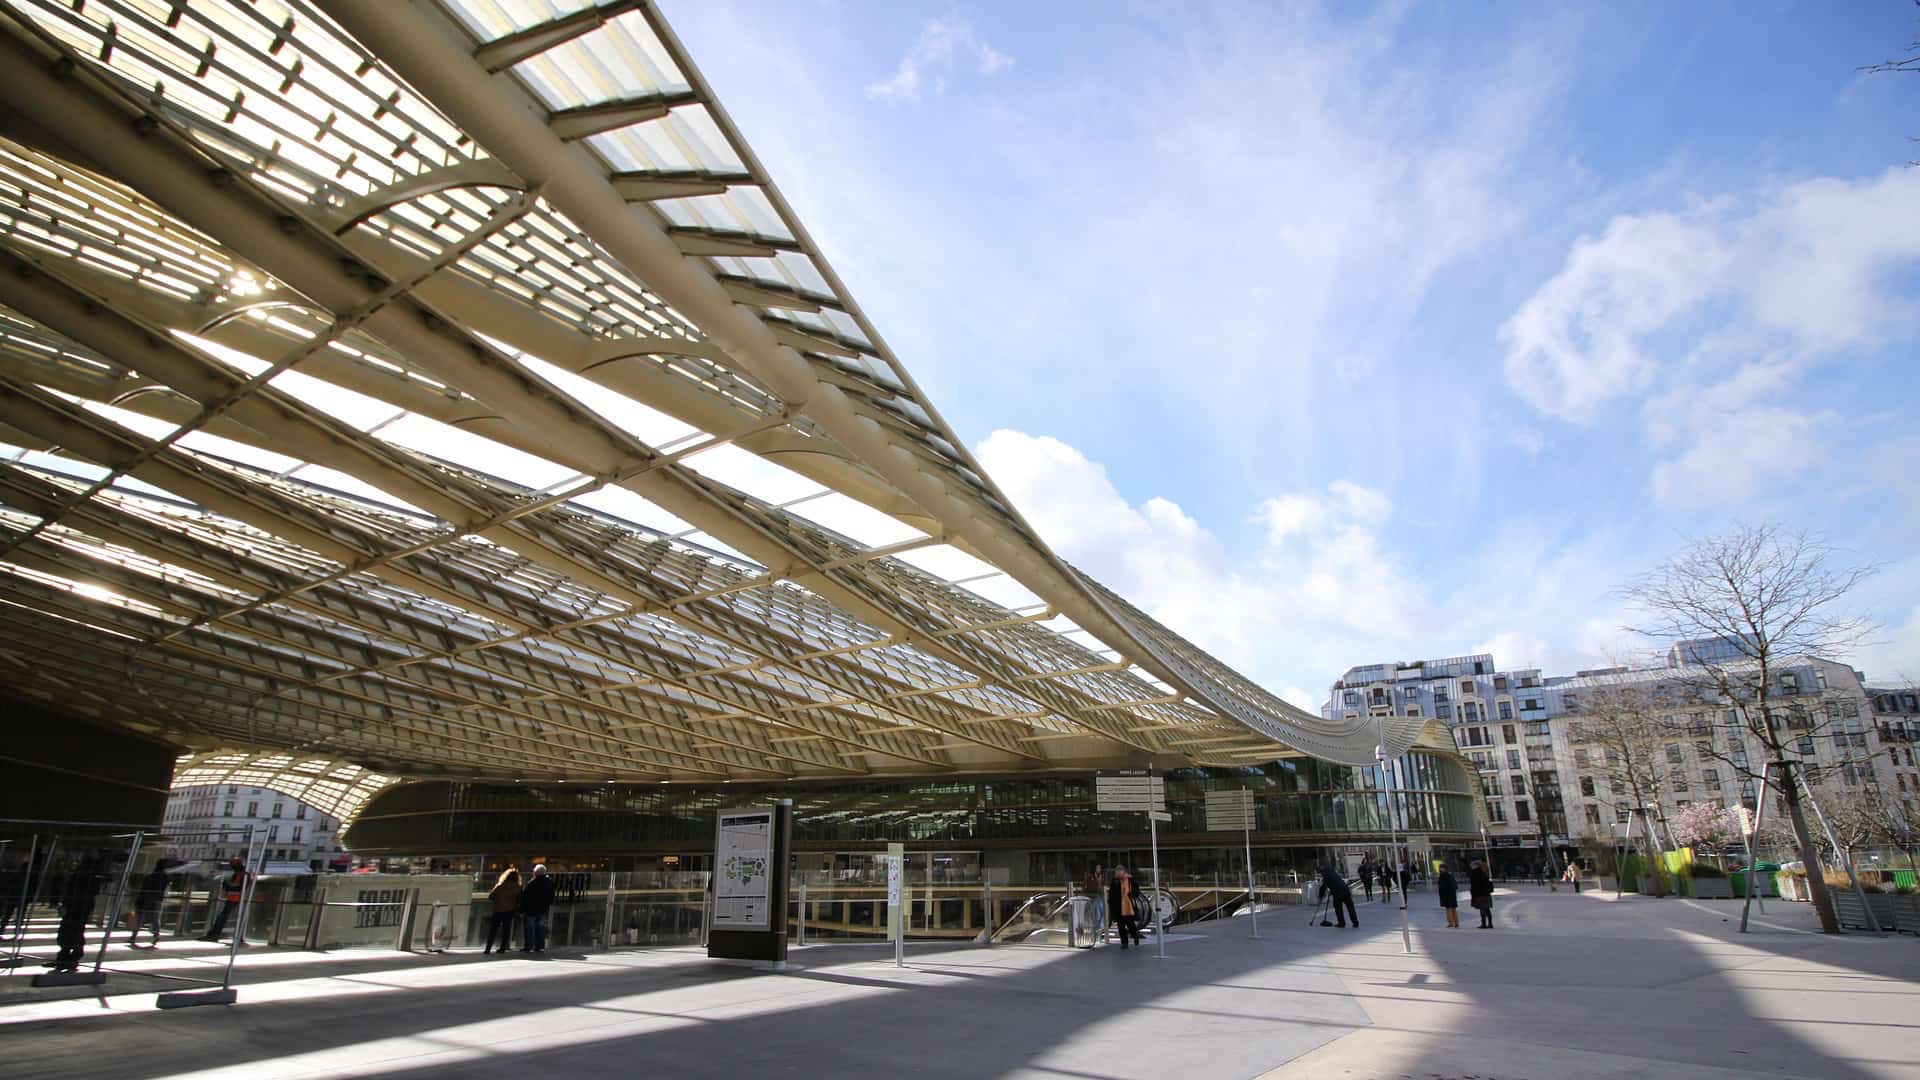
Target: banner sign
column 896, row 870
column 743, row 870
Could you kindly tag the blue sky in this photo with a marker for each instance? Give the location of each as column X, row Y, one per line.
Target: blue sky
column 1336, row 335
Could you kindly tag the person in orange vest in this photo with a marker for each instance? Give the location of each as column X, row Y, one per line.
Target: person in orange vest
column 233, row 888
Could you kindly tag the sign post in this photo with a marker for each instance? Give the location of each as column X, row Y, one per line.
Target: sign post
column 750, row 856
column 1227, row 811
column 896, row 926
column 1749, row 828
column 1136, row 791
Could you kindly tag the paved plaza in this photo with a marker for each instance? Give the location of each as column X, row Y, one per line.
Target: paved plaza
column 1565, row 987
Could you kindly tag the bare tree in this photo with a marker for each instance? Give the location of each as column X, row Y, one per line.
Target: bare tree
column 1623, row 722
column 1868, row 816
column 1742, row 606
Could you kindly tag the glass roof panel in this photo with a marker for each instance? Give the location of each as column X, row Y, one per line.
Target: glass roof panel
column 753, row 474
column 852, row 518
column 444, row 441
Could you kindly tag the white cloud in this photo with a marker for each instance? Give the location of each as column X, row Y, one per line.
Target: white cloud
column 1731, row 460
column 1327, row 587
column 1711, row 315
column 944, row 44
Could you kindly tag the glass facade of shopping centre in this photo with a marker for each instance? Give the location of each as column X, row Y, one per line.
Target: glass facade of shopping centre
column 1304, row 809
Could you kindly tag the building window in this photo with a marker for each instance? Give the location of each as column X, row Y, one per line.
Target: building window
column 1410, row 692
column 1530, row 703
column 1506, row 710
column 253, row 809
column 1442, row 710
column 1673, row 753
column 1519, row 783
column 297, row 829
column 1804, row 745
column 1413, row 710
column 1679, row 782
column 273, row 833
column 1513, row 759
column 1580, row 757
column 1712, row 777
column 1521, row 812
column 1440, row 693
column 1508, row 733
column 229, row 807
column 1351, row 697
column 1496, row 813
column 1586, row 786
column 300, row 812
column 1593, row 814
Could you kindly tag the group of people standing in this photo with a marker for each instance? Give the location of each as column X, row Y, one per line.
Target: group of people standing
column 1372, row 871
column 1114, row 896
column 1339, row 894
column 512, row 901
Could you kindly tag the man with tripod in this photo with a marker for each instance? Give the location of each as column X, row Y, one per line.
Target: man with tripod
column 1334, row 888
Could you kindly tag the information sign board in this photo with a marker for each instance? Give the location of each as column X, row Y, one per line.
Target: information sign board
column 743, row 870
column 1136, row 790
column 1229, row 811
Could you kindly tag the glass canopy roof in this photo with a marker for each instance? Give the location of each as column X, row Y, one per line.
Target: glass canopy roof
column 447, row 390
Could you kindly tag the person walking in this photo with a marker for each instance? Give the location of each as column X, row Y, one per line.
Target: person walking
column 1449, row 893
column 1366, row 878
column 1406, row 880
column 1095, row 887
column 232, row 888
column 536, row 900
column 1338, row 896
column 505, row 899
column 1386, row 883
column 1123, row 897
column 1480, row 889
column 82, row 887
column 1573, row 876
column 147, row 901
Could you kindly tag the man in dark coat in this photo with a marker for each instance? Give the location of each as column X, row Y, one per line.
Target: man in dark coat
column 535, row 901
column 1480, row 890
column 1449, row 892
column 1339, row 896
column 76, row 907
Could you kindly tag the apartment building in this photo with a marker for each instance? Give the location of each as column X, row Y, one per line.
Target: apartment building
column 1549, row 779
column 1697, row 746
column 209, row 824
column 1896, row 730
column 1501, row 721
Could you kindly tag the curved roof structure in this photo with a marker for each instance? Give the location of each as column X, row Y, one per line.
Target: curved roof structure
column 446, row 388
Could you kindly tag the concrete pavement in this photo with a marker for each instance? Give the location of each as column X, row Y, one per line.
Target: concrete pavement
column 1565, row 987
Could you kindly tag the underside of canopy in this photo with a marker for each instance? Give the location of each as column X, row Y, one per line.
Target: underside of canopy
column 445, row 389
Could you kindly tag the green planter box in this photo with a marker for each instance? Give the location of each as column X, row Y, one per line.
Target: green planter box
column 1712, row 888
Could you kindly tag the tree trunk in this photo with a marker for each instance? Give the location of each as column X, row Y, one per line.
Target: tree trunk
column 1809, row 854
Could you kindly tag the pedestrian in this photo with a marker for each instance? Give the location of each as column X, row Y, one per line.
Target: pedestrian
column 1095, row 887
column 1573, row 875
column 147, row 902
column 1123, row 897
column 536, row 900
column 505, row 899
column 1339, row 897
column 1449, row 892
column 231, row 889
column 82, row 887
column 1480, row 890
column 1386, row 884
column 1366, row 878
column 1406, row 880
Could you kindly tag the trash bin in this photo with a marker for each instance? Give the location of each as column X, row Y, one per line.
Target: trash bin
column 1768, row 883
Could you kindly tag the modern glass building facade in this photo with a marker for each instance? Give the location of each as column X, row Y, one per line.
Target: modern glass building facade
column 1035, row 827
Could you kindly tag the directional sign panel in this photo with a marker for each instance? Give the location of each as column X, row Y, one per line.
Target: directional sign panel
column 1130, row 790
column 1229, row 811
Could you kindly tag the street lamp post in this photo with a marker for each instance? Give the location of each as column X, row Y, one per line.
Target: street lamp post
column 1393, row 832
